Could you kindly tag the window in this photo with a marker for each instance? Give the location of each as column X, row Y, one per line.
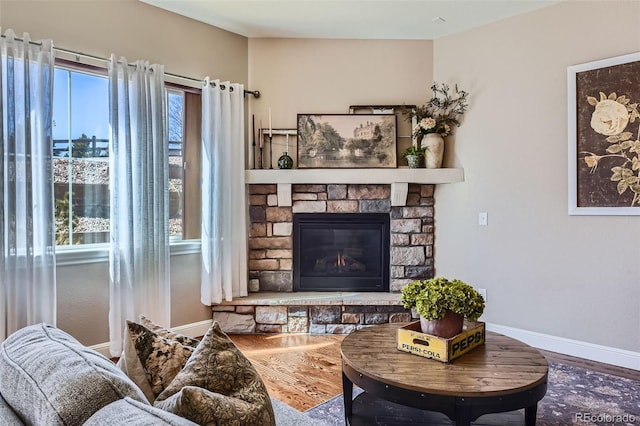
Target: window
column 184, row 110
column 175, row 119
column 81, row 157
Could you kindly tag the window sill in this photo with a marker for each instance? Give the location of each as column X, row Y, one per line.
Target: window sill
column 99, row 253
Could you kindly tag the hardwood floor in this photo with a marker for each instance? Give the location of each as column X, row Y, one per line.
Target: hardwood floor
column 300, row 370
column 305, row 370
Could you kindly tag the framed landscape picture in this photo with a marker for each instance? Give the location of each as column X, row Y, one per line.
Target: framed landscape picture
column 604, row 136
column 346, row 140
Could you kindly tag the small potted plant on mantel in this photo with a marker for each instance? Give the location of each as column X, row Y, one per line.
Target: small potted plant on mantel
column 413, row 154
column 443, row 305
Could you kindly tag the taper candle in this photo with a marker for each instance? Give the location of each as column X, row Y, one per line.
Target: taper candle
column 270, row 132
column 260, row 134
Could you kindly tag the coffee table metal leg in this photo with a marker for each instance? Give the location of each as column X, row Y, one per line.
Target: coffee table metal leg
column 462, row 418
column 530, row 414
column 347, row 395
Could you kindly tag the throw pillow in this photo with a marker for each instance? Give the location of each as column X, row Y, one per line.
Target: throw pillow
column 150, row 360
column 49, row 378
column 218, row 385
column 166, row 333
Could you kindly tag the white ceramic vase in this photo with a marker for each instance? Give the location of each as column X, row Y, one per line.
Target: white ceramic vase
column 434, row 144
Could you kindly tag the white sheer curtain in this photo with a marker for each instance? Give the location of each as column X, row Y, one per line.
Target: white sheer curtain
column 224, row 232
column 139, row 255
column 27, row 227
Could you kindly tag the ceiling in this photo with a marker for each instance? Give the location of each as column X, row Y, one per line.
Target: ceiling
column 349, row 19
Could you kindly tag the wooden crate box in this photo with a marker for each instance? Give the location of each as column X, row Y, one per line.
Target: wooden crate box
column 411, row 339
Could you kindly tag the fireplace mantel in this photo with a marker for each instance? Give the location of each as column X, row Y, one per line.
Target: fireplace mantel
column 398, row 178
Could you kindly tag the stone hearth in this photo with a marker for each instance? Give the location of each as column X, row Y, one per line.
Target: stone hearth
column 309, row 312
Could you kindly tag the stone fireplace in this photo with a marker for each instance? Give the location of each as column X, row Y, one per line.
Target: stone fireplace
column 271, row 263
column 405, row 196
column 274, row 307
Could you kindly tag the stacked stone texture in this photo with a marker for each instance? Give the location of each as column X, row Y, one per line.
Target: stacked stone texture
column 270, row 233
column 271, row 257
column 314, row 319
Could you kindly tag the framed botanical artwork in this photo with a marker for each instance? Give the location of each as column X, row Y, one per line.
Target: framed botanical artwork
column 604, row 136
column 346, row 141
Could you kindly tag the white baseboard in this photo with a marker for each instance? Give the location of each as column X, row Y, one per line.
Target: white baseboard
column 591, row 351
column 102, row 349
column 195, row 329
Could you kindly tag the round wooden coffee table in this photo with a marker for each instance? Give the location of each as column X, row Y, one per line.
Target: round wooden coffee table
column 502, row 375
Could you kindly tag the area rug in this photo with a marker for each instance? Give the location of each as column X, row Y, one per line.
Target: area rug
column 287, row 416
column 575, row 396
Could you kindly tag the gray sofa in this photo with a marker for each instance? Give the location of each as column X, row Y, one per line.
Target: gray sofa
column 48, row 378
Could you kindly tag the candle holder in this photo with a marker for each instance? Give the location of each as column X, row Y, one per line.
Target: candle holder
column 270, row 152
column 267, row 135
column 253, row 134
column 255, row 156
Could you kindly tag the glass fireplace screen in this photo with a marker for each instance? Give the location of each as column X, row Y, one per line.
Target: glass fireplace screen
column 341, row 252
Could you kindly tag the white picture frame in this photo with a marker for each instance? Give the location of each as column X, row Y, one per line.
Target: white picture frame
column 598, row 76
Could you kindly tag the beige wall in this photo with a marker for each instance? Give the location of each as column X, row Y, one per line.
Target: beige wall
column 134, row 30
column 327, row 76
column 137, row 31
column 544, row 271
column 575, row 277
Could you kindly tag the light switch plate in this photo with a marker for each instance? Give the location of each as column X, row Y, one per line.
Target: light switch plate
column 483, row 219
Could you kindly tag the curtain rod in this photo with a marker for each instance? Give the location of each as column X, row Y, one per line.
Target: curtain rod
column 255, row 93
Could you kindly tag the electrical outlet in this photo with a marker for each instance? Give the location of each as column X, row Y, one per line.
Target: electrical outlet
column 483, row 293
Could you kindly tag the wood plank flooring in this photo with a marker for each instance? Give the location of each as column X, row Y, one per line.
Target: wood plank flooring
column 305, row 370
column 300, row 370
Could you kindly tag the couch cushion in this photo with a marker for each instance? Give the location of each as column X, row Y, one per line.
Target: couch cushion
column 133, row 413
column 150, row 360
column 49, row 378
column 7, row 416
column 218, row 384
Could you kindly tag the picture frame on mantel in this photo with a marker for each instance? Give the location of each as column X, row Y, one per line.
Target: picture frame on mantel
column 604, row 136
column 347, row 141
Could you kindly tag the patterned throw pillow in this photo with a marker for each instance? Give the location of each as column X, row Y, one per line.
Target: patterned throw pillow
column 151, row 360
column 168, row 334
column 218, row 385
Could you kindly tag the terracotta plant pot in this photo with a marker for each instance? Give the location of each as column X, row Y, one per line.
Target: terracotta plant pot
column 446, row 327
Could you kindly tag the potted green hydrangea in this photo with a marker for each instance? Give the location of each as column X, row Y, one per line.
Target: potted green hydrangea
column 443, row 305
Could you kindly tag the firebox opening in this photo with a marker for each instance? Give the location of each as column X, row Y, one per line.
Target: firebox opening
column 341, row 252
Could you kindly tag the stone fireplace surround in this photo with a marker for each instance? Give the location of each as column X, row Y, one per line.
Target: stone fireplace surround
column 273, row 307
